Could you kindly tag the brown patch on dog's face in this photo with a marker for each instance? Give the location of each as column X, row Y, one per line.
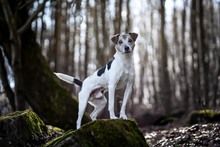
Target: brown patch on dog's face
column 133, row 36
column 114, row 39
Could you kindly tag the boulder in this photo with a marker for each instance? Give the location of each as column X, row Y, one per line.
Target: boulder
column 107, row 133
column 22, row 128
column 204, row 116
column 25, row 128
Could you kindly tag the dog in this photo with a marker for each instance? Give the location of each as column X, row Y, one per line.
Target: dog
column 116, row 74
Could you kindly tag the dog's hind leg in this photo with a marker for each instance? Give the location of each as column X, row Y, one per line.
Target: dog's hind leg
column 83, row 99
column 99, row 104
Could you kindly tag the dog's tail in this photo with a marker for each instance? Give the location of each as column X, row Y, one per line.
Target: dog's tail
column 69, row 79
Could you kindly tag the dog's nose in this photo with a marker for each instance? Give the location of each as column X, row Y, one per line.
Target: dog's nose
column 126, row 48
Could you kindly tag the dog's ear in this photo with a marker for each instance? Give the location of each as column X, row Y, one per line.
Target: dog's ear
column 133, row 36
column 114, row 39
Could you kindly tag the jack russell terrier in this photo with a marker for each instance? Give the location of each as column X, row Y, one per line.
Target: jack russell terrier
column 116, row 74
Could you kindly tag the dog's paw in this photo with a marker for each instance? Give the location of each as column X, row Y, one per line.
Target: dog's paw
column 93, row 118
column 123, row 116
column 77, row 126
column 113, row 117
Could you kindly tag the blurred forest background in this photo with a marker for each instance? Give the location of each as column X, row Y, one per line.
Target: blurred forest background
column 177, row 53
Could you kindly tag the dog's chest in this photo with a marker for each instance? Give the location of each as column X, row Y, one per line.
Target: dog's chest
column 126, row 75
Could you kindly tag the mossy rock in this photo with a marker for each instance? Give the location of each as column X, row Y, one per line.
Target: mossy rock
column 103, row 133
column 54, row 132
column 22, row 128
column 204, row 116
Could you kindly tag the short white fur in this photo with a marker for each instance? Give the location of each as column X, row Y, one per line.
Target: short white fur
column 119, row 75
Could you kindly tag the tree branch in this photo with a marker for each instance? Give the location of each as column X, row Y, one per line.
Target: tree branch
column 28, row 2
column 9, row 18
column 31, row 18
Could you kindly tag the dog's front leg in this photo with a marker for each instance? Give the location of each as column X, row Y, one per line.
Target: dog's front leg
column 111, row 93
column 127, row 94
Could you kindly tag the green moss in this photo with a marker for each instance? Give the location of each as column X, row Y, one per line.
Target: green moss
column 52, row 129
column 105, row 133
column 54, row 132
column 204, row 116
column 22, row 128
column 59, row 139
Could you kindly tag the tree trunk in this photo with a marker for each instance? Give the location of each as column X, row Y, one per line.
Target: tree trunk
column 86, row 60
column 184, row 85
column 99, row 50
column 164, row 79
column 105, row 36
column 155, row 91
column 57, row 34
column 216, row 53
column 204, row 57
column 141, row 85
column 128, row 24
column 67, row 39
column 43, row 29
column 175, row 56
column 4, row 77
column 43, row 92
column 117, row 22
column 15, row 51
column 196, row 91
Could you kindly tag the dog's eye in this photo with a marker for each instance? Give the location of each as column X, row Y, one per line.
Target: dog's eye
column 120, row 42
column 130, row 40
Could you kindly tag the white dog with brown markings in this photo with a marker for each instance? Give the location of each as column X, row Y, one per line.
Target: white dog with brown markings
column 117, row 74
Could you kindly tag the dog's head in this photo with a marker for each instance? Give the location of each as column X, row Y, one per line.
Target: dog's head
column 125, row 42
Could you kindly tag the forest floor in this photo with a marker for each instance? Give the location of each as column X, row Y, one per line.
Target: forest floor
column 199, row 135
column 199, row 128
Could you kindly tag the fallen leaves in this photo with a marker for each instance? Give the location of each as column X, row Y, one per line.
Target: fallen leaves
column 198, row 135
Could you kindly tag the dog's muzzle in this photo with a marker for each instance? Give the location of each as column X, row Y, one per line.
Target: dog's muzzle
column 127, row 49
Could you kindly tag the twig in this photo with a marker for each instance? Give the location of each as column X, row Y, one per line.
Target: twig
column 26, row 4
column 32, row 17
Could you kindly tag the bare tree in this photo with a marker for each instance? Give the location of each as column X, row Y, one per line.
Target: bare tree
column 185, row 85
column 57, row 34
column 196, row 81
column 164, row 79
column 66, row 26
column 86, row 60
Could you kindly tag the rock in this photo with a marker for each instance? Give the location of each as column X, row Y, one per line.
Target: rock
column 25, row 128
column 22, row 128
column 102, row 133
column 54, row 132
column 204, row 116
column 5, row 106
